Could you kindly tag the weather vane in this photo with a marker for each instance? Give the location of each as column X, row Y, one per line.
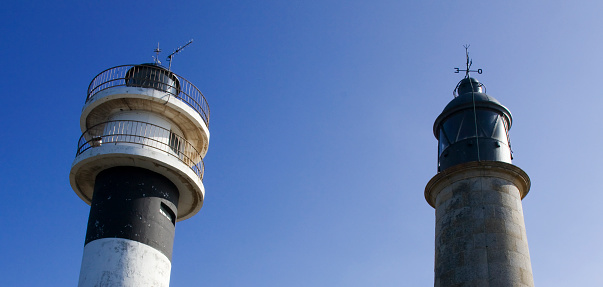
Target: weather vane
column 469, row 62
column 171, row 56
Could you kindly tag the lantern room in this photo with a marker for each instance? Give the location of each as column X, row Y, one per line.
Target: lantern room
column 472, row 127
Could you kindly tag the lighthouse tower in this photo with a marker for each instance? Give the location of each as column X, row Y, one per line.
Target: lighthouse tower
column 139, row 164
column 480, row 237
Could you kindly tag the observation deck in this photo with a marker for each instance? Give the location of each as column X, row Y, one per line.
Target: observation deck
column 144, row 116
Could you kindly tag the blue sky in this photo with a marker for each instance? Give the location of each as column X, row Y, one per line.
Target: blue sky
column 321, row 131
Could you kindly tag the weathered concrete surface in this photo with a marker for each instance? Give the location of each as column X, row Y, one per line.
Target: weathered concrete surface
column 480, row 237
column 123, row 263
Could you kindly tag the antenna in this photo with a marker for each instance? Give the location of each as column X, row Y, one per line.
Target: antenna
column 156, row 57
column 469, row 62
column 169, row 58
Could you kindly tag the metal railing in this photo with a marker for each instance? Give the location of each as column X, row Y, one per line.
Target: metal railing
column 145, row 134
column 151, row 76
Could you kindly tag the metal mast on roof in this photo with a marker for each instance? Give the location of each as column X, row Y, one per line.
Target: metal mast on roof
column 156, row 57
column 169, row 58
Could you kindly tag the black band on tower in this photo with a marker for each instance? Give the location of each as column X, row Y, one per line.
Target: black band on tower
column 134, row 203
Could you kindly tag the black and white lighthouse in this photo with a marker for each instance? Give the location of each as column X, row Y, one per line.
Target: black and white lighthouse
column 480, row 234
column 139, row 164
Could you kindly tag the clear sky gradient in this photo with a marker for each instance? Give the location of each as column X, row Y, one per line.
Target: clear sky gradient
column 321, row 131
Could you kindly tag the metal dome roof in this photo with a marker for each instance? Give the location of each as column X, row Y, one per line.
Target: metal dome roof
column 469, row 90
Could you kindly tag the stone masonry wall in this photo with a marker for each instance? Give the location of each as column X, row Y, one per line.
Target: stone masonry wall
column 480, row 237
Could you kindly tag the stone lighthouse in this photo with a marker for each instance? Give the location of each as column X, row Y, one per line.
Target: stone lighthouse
column 480, row 235
column 139, row 164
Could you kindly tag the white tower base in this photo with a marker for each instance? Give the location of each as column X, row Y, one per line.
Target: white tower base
column 118, row 262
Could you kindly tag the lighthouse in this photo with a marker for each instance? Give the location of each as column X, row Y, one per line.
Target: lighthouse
column 139, row 165
column 480, row 235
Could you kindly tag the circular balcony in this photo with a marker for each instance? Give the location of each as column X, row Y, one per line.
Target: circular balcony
column 151, row 76
column 145, row 135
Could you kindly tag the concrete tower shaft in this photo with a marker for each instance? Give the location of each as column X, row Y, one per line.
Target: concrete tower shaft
column 480, row 237
column 139, row 164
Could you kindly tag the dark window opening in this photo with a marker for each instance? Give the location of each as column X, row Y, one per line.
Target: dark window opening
column 167, row 212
